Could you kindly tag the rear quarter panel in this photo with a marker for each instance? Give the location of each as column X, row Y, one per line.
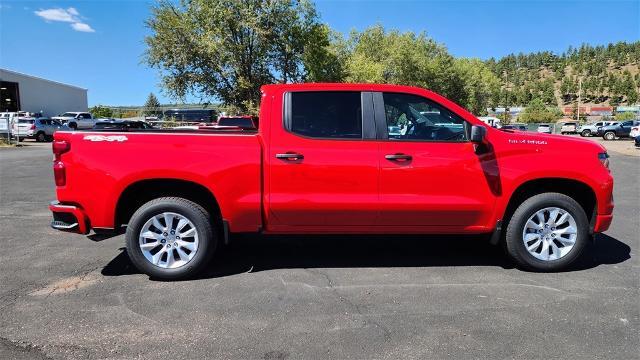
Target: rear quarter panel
column 98, row 171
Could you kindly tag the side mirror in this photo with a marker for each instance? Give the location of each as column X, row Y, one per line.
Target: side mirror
column 478, row 134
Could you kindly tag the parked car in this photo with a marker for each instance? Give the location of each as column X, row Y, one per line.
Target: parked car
column 599, row 131
column 621, row 130
column 190, row 115
column 40, row 129
column 321, row 162
column 519, row 127
column 569, row 128
column 76, row 120
column 121, row 125
column 592, row 129
column 491, row 121
column 545, row 129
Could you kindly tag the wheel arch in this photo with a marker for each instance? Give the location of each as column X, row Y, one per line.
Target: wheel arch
column 140, row 192
column 581, row 192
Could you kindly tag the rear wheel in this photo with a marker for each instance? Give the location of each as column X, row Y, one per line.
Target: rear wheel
column 547, row 232
column 609, row 135
column 41, row 137
column 171, row 238
column 73, row 126
column 585, row 133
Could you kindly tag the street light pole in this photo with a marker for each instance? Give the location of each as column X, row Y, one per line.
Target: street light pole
column 579, row 92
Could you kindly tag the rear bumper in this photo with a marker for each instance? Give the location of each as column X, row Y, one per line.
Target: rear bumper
column 68, row 218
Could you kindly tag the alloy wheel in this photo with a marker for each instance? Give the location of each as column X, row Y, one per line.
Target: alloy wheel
column 550, row 233
column 168, row 240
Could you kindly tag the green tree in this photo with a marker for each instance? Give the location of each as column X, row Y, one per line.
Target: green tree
column 152, row 106
column 227, row 49
column 100, row 111
column 481, row 86
column 536, row 111
column 379, row 56
column 625, row 116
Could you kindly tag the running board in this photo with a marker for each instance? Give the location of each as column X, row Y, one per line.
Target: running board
column 61, row 225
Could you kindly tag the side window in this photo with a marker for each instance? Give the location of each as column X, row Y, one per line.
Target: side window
column 325, row 114
column 412, row 117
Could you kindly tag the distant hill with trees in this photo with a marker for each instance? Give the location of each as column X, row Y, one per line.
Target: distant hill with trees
column 610, row 75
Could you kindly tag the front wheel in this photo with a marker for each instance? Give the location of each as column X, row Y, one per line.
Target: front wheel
column 547, row 232
column 610, row 135
column 170, row 238
column 585, row 133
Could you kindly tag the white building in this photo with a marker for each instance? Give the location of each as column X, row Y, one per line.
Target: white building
column 21, row 92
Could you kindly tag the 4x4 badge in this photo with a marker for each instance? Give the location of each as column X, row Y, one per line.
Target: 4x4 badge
column 110, row 138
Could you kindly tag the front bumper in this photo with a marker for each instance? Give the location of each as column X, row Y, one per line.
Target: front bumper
column 68, row 218
column 602, row 223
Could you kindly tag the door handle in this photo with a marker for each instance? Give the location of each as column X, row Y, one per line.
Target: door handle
column 290, row 156
column 398, row 157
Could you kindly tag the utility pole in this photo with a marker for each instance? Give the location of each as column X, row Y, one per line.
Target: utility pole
column 579, row 92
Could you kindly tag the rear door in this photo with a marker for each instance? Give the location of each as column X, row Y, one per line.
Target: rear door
column 430, row 175
column 323, row 162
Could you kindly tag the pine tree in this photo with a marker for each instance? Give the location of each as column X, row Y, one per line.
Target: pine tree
column 152, row 106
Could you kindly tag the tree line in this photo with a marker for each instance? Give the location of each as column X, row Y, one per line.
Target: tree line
column 227, row 49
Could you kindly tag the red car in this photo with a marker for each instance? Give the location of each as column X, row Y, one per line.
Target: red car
column 334, row 159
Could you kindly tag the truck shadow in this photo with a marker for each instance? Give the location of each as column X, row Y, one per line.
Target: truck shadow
column 261, row 253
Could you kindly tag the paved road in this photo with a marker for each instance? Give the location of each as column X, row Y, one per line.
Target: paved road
column 66, row 296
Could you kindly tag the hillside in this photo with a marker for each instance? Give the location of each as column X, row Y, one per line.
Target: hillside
column 610, row 75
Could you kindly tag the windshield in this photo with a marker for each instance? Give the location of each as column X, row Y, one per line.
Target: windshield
column 68, row 115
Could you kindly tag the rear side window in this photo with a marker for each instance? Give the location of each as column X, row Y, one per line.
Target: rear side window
column 325, row 114
column 240, row 122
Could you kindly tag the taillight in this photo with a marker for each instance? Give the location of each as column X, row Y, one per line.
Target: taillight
column 60, row 147
column 59, row 172
column 33, row 127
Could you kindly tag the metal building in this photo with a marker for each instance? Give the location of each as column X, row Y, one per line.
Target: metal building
column 21, row 92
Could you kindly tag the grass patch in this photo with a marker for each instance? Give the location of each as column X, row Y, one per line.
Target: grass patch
column 5, row 143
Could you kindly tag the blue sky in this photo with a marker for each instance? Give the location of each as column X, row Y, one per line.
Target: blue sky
column 99, row 44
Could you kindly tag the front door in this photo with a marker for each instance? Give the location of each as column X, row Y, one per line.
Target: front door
column 430, row 175
column 323, row 171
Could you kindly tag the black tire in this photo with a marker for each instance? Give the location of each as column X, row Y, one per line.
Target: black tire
column 41, row 137
column 49, row 138
column 609, row 135
column 73, row 126
column 585, row 133
column 208, row 237
column 513, row 237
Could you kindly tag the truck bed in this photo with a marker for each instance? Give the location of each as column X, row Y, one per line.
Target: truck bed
column 103, row 163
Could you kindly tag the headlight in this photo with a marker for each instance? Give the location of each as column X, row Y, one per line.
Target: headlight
column 604, row 159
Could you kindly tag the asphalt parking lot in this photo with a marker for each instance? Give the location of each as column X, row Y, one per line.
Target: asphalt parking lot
column 69, row 296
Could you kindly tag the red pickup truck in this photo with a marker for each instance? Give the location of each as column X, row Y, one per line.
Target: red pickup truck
column 334, row 159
